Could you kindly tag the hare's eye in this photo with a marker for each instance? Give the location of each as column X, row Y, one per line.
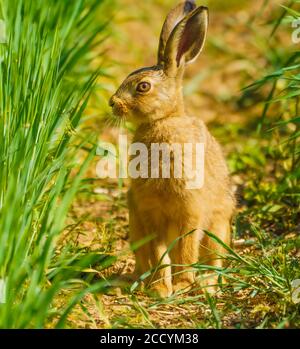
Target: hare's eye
column 143, row 87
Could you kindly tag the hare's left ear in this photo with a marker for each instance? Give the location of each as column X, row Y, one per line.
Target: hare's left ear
column 173, row 18
column 186, row 41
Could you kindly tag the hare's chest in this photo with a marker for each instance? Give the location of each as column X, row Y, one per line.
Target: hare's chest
column 157, row 196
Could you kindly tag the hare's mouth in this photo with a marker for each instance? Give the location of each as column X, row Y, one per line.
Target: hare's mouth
column 120, row 110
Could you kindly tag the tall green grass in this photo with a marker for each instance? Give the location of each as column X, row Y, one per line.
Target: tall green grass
column 45, row 83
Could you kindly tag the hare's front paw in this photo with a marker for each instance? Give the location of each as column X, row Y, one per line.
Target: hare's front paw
column 182, row 286
column 160, row 290
column 209, row 283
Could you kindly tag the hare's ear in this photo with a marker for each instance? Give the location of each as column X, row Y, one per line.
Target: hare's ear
column 186, row 41
column 173, row 18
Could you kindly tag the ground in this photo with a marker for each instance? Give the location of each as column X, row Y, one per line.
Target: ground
column 255, row 294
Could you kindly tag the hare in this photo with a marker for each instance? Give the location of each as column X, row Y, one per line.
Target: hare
column 165, row 208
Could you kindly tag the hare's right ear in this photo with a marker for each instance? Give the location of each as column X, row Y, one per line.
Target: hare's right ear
column 173, row 18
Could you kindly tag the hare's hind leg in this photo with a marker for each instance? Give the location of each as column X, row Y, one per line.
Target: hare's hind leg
column 212, row 252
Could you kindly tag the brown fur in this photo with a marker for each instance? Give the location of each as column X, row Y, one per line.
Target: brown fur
column 164, row 207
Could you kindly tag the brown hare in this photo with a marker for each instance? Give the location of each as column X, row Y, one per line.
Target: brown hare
column 165, row 208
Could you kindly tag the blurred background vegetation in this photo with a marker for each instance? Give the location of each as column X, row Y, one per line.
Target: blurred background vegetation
column 64, row 233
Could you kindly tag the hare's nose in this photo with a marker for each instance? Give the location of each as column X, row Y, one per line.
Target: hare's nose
column 112, row 101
